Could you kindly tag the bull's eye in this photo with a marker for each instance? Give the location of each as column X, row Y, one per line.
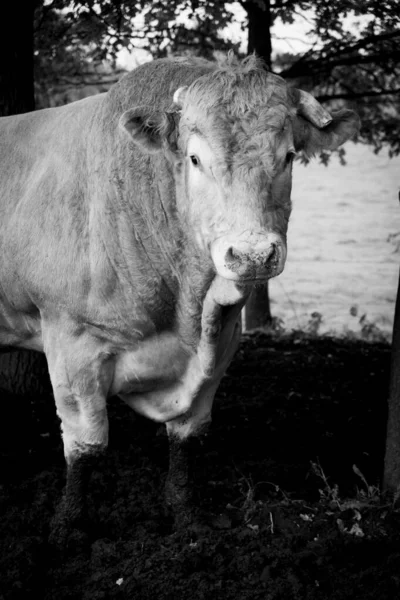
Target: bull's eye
column 195, row 160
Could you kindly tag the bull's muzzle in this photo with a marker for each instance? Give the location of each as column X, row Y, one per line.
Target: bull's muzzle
column 249, row 261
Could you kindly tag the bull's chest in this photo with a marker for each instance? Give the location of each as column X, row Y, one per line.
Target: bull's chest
column 164, row 378
column 154, row 363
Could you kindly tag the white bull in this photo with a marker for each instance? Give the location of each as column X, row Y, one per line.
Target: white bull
column 133, row 225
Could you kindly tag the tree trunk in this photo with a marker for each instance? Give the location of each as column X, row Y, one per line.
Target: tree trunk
column 391, row 477
column 22, row 372
column 16, row 57
column 257, row 310
column 259, row 27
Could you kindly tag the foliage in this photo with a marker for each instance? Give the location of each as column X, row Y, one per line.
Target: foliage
column 358, row 67
column 74, row 48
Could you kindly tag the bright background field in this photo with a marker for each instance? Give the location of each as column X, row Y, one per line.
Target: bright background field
column 340, row 250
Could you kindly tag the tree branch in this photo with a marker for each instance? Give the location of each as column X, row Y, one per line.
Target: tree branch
column 353, row 95
column 319, row 65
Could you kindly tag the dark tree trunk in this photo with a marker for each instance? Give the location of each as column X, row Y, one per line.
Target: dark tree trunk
column 259, row 27
column 16, row 57
column 257, row 310
column 21, row 372
column 391, row 477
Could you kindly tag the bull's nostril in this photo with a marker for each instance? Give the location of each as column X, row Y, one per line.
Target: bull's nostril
column 232, row 256
column 272, row 253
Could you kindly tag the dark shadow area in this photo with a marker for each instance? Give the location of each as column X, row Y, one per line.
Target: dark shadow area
column 284, row 404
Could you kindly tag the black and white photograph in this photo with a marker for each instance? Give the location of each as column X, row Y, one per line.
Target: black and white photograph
column 200, row 300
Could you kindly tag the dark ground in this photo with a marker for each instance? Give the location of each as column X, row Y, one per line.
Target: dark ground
column 290, row 412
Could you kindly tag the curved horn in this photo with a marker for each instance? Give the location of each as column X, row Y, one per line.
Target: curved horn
column 179, row 96
column 309, row 108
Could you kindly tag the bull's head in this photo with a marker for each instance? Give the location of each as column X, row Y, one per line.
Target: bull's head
column 232, row 136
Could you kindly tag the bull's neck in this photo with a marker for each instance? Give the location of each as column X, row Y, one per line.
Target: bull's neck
column 157, row 260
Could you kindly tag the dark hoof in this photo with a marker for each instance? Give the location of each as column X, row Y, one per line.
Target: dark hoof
column 67, row 534
column 196, row 529
column 187, row 518
column 67, row 541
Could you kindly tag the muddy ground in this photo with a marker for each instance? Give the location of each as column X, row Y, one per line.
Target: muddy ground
column 297, row 521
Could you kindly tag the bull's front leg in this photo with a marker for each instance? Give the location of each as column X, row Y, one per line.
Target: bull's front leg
column 220, row 336
column 80, row 378
column 71, row 513
column 183, row 433
column 178, row 486
column 183, row 430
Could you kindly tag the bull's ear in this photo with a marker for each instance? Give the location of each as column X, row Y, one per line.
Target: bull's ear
column 146, row 128
column 344, row 125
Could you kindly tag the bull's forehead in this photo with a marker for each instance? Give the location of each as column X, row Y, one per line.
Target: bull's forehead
column 242, row 115
column 273, row 116
column 237, row 90
column 256, row 138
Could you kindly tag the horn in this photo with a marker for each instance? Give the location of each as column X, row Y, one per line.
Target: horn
column 179, row 96
column 309, row 108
